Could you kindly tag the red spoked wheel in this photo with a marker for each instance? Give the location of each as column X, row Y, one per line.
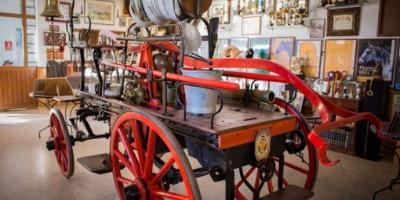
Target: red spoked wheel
column 136, row 140
column 304, row 163
column 62, row 143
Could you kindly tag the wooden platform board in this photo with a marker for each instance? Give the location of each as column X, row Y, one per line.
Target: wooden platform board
column 234, row 126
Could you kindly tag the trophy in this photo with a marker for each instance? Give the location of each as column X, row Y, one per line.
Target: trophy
column 358, row 90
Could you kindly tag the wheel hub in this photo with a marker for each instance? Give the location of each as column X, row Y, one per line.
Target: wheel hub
column 137, row 191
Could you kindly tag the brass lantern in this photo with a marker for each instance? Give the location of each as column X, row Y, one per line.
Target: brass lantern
column 51, row 9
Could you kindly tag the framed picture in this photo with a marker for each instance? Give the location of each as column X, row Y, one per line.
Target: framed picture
column 221, row 45
column 282, row 50
column 58, row 39
column 261, row 47
column 375, row 57
column 251, row 25
column 222, row 10
column 100, row 12
column 317, row 28
column 388, row 13
column 310, row 50
column 340, row 56
column 122, row 21
column 240, row 42
column 397, row 73
column 64, row 9
column 343, row 21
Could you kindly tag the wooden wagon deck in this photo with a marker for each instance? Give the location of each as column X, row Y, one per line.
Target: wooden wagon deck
column 234, row 125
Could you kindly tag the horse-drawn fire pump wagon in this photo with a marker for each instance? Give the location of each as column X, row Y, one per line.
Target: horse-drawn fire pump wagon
column 172, row 104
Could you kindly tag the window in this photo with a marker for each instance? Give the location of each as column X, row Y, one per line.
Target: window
column 18, row 41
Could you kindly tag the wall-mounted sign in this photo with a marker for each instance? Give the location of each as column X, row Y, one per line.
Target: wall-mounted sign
column 8, row 45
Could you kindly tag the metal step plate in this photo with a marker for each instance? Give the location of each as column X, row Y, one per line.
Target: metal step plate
column 98, row 164
column 291, row 192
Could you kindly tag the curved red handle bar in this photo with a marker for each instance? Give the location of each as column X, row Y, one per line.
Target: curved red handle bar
column 323, row 106
column 176, row 77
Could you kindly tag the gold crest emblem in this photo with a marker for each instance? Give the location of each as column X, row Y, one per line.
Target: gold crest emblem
column 262, row 144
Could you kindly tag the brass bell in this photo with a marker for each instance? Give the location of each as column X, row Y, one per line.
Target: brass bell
column 51, row 9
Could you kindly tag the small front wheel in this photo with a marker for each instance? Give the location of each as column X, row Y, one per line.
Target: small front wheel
column 61, row 139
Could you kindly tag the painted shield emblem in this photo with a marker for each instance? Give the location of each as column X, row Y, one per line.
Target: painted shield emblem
column 262, row 144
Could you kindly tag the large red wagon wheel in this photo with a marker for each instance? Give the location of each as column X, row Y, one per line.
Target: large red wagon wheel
column 62, row 143
column 135, row 143
column 304, row 163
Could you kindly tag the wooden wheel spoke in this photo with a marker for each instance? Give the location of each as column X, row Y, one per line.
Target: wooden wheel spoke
column 297, row 168
column 170, row 195
column 151, row 148
column 54, row 131
column 64, row 160
column 125, row 180
column 128, row 148
column 270, row 187
column 164, row 169
column 125, row 162
column 138, row 141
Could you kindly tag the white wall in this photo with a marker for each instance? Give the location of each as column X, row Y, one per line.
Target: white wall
column 43, row 25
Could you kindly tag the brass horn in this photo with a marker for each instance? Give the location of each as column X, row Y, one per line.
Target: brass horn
column 51, row 9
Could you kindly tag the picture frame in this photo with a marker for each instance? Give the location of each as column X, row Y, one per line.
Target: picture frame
column 60, row 39
column 221, row 9
column 261, row 47
column 375, row 57
column 311, row 50
column 339, row 56
column 251, row 25
column 396, row 84
column 343, row 21
column 64, row 8
column 388, row 10
column 122, row 21
column 282, row 49
column 317, row 28
column 100, row 11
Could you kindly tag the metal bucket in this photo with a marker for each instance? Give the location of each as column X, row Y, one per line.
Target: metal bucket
column 200, row 100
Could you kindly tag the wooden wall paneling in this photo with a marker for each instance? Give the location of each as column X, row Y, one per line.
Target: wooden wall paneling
column 15, row 86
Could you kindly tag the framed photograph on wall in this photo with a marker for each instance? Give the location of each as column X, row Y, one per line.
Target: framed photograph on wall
column 64, row 8
column 251, row 25
column 343, row 21
column 375, row 57
column 340, row 56
column 100, row 12
column 397, row 73
column 58, row 39
column 222, row 10
column 261, row 47
column 310, row 51
column 317, row 28
column 282, row 50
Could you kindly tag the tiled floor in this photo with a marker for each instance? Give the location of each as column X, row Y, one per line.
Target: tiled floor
column 29, row 171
